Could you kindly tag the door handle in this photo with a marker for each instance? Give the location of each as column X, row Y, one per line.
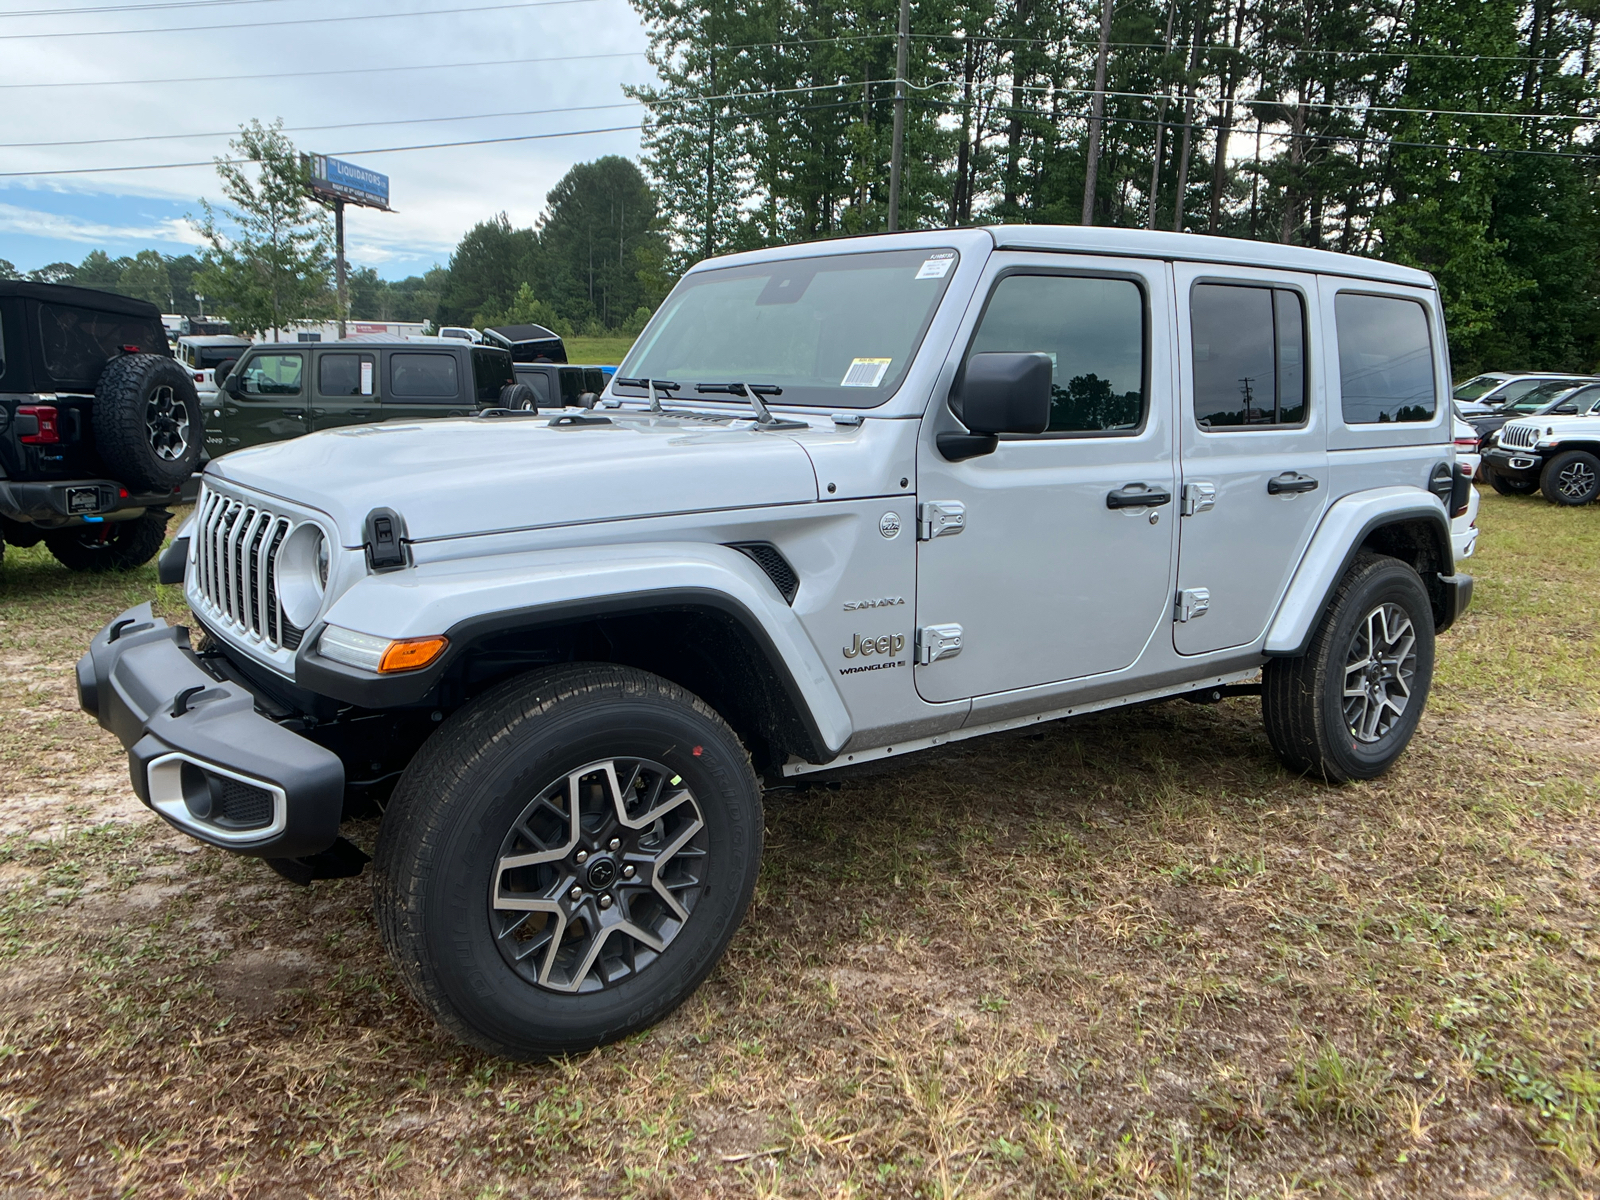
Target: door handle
column 1137, row 495
column 1290, row 482
column 361, row 413
column 319, row 412
column 294, row 412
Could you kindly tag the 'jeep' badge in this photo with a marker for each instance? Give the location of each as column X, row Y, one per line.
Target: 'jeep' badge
column 889, row 524
column 889, row 643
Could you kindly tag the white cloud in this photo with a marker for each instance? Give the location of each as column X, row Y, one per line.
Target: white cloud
column 32, row 222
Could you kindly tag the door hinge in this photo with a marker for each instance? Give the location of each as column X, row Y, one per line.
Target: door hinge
column 940, row 518
column 1193, row 602
column 1198, row 498
column 938, row 641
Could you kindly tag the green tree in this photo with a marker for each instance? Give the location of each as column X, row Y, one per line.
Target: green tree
column 490, row 263
column 526, row 309
column 268, row 260
column 8, row 269
column 145, row 277
column 99, row 270
column 598, row 244
column 56, row 272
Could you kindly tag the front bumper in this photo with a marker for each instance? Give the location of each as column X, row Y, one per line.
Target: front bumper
column 1513, row 464
column 199, row 753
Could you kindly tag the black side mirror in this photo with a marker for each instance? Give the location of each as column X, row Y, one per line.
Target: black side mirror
column 998, row 393
column 225, row 377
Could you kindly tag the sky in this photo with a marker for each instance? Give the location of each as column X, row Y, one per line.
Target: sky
column 75, row 71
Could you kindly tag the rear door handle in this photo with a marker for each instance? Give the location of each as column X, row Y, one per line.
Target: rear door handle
column 294, row 412
column 1137, row 495
column 361, row 413
column 1290, row 481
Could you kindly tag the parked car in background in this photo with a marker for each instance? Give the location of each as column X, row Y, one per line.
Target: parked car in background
column 1536, row 399
column 202, row 356
column 460, row 333
column 528, row 343
column 1495, row 389
column 1556, row 451
column 282, row 390
column 563, row 385
column 99, row 425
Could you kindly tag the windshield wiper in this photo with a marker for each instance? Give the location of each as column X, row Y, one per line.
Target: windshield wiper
column 651, row 387
column 753, row 393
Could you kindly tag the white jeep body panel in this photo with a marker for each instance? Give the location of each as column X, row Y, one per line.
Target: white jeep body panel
column 514, row 515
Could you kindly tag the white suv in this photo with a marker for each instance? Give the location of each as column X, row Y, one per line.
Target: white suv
column 1557, row 450
column 843, row 501
column 202, row 354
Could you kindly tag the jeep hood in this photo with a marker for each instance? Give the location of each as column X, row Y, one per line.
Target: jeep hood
column 451, row 478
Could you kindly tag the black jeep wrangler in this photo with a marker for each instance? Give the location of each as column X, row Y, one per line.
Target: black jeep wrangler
column 100, row 427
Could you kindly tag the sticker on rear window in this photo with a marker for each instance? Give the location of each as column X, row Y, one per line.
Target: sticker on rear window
column 865, row 372
column 937, row 266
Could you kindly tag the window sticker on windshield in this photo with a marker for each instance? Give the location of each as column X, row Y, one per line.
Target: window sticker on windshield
column 937, row 266
column 865, row 372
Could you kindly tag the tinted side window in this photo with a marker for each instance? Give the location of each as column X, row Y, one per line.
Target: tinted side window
column 343, row 375
column 571, row 386
column 78, row 342
column 491, row 371
column 1249, row 355
column 1516, row 390
column 1094, row 332
column 1385, row 359
column 272, row 375
column 424, row 376
column 540, row 383
column 594, row 380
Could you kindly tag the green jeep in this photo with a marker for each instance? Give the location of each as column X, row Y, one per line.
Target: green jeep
column 281, row 390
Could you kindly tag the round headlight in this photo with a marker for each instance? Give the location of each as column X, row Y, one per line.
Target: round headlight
column 302, row 573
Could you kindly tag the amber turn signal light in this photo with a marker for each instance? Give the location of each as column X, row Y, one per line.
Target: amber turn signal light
column 411, row 654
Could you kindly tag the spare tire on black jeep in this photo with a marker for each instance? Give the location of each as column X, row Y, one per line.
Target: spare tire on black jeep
column 147, row 422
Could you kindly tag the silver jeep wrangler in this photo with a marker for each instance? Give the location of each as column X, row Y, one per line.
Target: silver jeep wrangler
column 843, row 501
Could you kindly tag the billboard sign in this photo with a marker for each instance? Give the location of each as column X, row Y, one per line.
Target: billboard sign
column 336, row 179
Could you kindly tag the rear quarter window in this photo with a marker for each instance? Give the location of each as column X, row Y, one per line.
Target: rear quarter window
column 423, row 376
column 78, row 342
column 1385, row 359
column 491, row 372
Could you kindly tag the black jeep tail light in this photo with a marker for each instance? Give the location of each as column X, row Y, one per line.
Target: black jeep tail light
column 45, row 428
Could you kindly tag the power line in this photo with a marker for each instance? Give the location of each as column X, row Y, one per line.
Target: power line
column 491, row 62
column 118, row 8
column 254, row 25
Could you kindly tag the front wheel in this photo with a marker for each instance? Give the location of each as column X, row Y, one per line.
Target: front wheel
column 565, row 861
column 1347, row 708
column 1512, row 487
column 109, row 545
column 1571, row 479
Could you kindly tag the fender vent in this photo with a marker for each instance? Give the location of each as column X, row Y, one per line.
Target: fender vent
column 766, row 556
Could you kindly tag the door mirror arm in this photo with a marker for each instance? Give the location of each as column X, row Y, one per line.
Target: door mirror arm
column 997, row 393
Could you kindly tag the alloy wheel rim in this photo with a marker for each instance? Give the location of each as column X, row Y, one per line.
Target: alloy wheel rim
column 1577, row 480
column 598, row 875
column 1379, row 670
column 166, row 421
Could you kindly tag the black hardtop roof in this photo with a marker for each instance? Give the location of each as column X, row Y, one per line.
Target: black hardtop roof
column 524, row 333
column 62, row 293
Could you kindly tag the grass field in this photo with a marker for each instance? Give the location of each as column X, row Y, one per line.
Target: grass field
column 606, row 350
column 1126, row 956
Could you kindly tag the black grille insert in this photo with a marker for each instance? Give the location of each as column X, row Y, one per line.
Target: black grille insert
column 768, row 557
column 240, row 805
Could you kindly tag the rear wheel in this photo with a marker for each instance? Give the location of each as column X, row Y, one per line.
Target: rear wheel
column 1571, row 479
column 566, row 860
column 110, row 545
column 1512, row 487
column 1347, row 708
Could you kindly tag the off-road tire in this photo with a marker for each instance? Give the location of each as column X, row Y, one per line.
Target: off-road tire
column 1571, row 479
column 147, row 422
column 437, row 866
column 519, row 397
column 110, row 545
column 1302, row 699
column 1507, row 486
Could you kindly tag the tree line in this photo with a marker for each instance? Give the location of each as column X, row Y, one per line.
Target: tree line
column 1453, row 135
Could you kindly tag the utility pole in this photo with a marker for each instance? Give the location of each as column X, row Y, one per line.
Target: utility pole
column 897, row 153
column 711, row 142
column 1097, row 112
column 338, row 263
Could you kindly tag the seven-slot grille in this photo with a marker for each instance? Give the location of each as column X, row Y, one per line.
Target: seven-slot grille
column 1522, row 436
column 236, row 566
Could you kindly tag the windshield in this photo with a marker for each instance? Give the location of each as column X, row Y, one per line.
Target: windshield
column 838, row 331
column 1473, row 388
column 1537, row 398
